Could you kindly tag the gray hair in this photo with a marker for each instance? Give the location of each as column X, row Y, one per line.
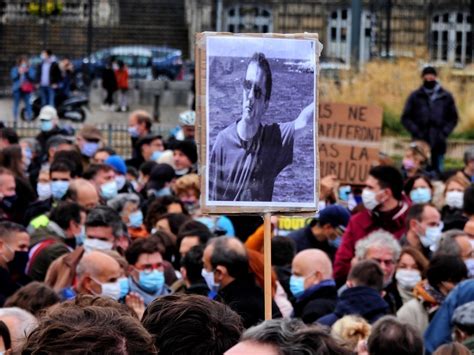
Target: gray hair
column 292, row 336
column 118, row 203
column 380, row 239
column 447, row 244
column 23, row 325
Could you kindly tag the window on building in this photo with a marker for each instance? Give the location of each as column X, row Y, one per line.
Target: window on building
column 451, row 38
column 339, row 35
column 248, row 18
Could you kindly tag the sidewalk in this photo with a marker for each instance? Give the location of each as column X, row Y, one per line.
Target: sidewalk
column 168, row 114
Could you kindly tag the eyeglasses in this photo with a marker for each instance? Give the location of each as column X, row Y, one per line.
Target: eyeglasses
column 150, row 267
column 257, row 91
column 387, row 262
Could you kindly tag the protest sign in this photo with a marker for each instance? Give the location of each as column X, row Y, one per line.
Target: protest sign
column 257, row 139
column 349, row 140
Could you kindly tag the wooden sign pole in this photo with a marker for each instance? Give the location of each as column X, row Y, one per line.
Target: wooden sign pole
column 267, row 253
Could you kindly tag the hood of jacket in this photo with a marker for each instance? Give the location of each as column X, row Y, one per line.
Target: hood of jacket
column 361, row 300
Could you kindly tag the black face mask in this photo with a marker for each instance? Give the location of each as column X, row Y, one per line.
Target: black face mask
column 17, row 266
column 8, row 201
column 429, row 84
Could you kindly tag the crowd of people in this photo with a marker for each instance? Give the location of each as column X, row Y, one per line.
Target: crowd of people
column 101, row 254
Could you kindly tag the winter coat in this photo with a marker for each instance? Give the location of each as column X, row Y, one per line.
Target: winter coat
column 304, row 239
column 316, row 302
column 109, row 82
column 17, row 78
column 360, row 225
column 360, row 300
column 121, row 75
column 246, row 298
column 55, row 76
column 439, row 330
column 430, row 120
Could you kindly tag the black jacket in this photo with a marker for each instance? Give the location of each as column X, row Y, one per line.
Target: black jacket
column 361, row 300
column 304, row 239
column 246, row 298
column 55, row 76
column 312, row 305
column 430, row 120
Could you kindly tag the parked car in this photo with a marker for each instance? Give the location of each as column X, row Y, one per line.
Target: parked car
column 143, row 62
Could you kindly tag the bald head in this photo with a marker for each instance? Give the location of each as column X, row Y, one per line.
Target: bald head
column 227, row 257
column 312, row 264
column 84, row 193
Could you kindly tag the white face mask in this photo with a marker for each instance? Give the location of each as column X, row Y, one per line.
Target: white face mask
column 44, row 190
column 110, row 289
column 470, row 267
column 407, row 278
column 431, row 237
column 96, row 244
column 120, row 180
column 369, row 199
column 455, row 199
column 209, row 277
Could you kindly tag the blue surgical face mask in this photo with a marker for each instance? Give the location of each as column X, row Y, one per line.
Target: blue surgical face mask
column 109, row 190
column 335, row 243
column 89, row 149
column 297, row 285
column 59, row 188
column 470, row 267
column 420, row 195
column 133, row 131
column 165, row 191
column 43, row 189
column 135, row 219
column 431, row 237
column 121, row 181
column 156, row 155
column 151, row 281
column 124, row 287
column 81, row 236
column 46, row 125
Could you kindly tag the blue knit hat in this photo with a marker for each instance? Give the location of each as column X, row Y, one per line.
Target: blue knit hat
column 116, row 162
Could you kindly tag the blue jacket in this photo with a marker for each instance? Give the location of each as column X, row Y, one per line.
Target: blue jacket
column 18, row 78
column 361, row 300
column 439, row 330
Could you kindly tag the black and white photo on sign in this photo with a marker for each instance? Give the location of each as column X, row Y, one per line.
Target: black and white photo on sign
column 260, row 121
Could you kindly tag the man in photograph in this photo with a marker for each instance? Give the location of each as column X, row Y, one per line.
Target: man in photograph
column 247, row 156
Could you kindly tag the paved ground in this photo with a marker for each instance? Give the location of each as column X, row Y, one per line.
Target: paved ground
column 168, row 114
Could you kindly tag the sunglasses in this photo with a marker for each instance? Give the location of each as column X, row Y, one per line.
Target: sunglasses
column 257, row 91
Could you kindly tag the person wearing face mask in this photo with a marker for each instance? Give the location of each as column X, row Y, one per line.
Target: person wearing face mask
column 7, row 194
column 443, row 274
column 159, row 182
column 452, row 211
column 103, row 231
column 103, row 177
column 128, row 207
column 149, row 148
column 430, row 115
column 98, row 274
column 411, row 269
column 146, row 270
column 185, row 158
column 385, row 208
column 457, row 242
column 49, row 127
column 324, row 232
column 424, row 229
column 312, row 285
column 419, row 189
column 89, row 139
column 139, row 125
column 64, row 232
column 416, row 159
column 226, row 270
column 118, row 164
column 14, row 242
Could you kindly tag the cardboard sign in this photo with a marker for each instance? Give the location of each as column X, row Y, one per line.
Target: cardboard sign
column 349, row 140
column 286, row 225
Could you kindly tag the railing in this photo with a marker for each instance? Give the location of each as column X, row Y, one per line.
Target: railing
column 115, row 135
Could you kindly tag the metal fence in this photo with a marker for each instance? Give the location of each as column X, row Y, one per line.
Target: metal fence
column 115, row 135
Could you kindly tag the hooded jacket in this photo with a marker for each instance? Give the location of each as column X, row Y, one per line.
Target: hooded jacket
column 360, row 225
column 316, row 301
column 360, row 300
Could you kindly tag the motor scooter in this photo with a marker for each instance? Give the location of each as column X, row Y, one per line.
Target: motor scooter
column 71, row 108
